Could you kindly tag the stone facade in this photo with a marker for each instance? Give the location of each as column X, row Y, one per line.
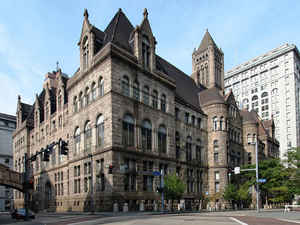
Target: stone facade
column 125, row 113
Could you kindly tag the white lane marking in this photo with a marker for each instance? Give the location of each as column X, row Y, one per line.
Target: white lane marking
column 291, row 221
column 238, row 221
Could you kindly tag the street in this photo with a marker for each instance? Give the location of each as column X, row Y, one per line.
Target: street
column 272, row 217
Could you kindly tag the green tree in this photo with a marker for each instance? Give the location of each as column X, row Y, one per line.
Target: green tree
column 277, row 176
column 243, row 194
column 230, row 193
column 293, row 160
column 174, row 187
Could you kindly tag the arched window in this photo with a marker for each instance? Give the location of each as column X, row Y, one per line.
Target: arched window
column 93, row 91
column 216, row 146
column 47, row 110
column 238, row 137
column 146, row 51
column 75, row 103
column 101, row 86
column 136, row 90
column 86, row 96
column 147, row 135
column 216, row 150
column 128, row 130
column 155, row 99
column 245, row 101
column 163, row 103
column 215, row 123
column 254, row 98
column 59, row 101
column 81, row 100
column 162, row 139
column 188, row 148
column 85, row 53
column 198, row 150
column 222, row 123
column 265, row 94
column 249, row 140
column 177, row 144
column 234, row 135
column 100, row 130
column 146, row 95
column 254, row 138
column 274, row 91
column 88, row 136
column 77, row 141
column 125, row 86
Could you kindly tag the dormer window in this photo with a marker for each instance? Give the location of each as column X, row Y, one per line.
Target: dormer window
column 47, row 110
column 146, row 51
column 85, row 53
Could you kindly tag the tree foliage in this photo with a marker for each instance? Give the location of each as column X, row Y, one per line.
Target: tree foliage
column 277, row 185
column 174, row 187
column 293, row 161
column 230, row 192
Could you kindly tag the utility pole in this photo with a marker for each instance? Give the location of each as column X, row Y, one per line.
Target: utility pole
column 256, row 170
column 237, row 170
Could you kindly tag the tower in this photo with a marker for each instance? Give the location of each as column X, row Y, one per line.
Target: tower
column 208, row 64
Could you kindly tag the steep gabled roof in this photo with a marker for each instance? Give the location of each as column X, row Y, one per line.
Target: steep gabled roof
column 26, row 111
column 211, row 96
column 206, row 41
column 118, row 31
column 249, row 116
column 186, row 88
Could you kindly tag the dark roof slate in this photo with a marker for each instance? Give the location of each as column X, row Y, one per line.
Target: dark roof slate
column 249, row 116
column 186, row 88
column 211, row 96
column 206, row 41
column 26, row 111
column 118, row 31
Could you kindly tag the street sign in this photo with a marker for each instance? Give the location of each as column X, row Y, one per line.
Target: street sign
column 156, row 173
column 237, row 170
column 262, row 180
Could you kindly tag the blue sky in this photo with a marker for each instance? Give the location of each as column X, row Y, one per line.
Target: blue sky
column 35, row 34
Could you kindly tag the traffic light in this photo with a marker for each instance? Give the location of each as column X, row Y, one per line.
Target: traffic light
column 33, row 158
column 28, row 185
column 110, row 169
column 46, row 155
column 63, row 147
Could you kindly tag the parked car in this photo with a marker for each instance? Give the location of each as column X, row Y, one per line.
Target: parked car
column 20, row 214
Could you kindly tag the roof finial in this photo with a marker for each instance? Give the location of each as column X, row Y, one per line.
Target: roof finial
column 57, row 66
column 86, row 14
column 206, row 30
column 19, row 98
column 145, row 13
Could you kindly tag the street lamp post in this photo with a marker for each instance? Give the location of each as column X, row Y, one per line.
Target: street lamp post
column 237, row 170
column 256, row 170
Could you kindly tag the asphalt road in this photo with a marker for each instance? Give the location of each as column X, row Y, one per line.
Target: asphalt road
column 274, row 217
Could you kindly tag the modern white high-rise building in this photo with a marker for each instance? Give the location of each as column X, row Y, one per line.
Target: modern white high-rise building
column 270, row 84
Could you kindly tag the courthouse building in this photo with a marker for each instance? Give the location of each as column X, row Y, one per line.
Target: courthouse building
column 127, row 112
column 270, row 85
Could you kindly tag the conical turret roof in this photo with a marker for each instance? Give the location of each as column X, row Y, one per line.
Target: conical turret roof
column 206, row 41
